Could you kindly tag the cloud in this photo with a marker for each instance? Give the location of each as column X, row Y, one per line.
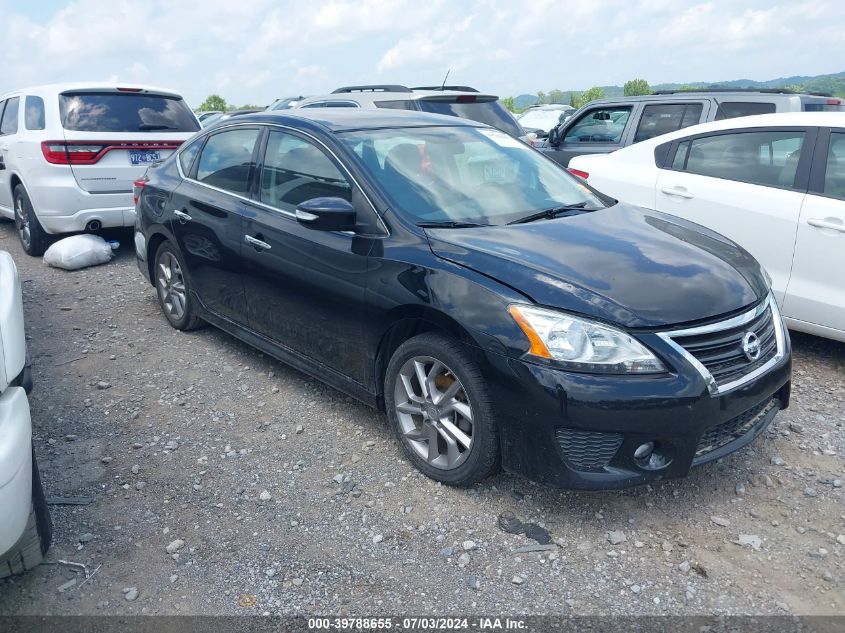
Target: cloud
column 252, row 52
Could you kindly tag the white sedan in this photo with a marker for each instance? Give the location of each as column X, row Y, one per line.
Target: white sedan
column 773, row 183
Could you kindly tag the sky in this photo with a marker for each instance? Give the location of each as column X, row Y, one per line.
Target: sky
column 253, row 51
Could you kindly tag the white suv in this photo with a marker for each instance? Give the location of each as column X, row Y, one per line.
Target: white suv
column 25, row 527
column 69, row 154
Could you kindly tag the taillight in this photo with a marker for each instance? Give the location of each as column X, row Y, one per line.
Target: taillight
column 129, row 89
column 466, row 99
column 833, row 102
column 62, row 153
column 137, row 186
column 577, row 172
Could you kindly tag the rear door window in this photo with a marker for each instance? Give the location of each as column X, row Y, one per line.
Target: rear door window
column 736, row 109
column 767, row 158
column 226, row 161
column 34, row 113
column 9, row 123
column 662, row 118
column 600, row 125
column 125, row 112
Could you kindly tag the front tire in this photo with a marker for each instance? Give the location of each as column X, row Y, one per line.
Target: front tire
column 33, row 544
column 32, row 235
column 439, row 406
column 173, row 289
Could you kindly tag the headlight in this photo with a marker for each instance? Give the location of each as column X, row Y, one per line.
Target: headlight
column 581, row 344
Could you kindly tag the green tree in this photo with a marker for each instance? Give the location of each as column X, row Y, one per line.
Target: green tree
column 541, row 97
column 509, row 104
column 636, row 87
column 574, row 98
column 555, row 96
column 213, row 102
column 589, row 95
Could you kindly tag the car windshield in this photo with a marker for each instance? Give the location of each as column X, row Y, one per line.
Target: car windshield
column 488, row 112
column 125, row 112
column 540, row 119
column 465, row 174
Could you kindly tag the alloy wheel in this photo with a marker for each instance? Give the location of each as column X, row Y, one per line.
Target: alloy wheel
column 22, row 222
column 170, row 282
column 434, row 413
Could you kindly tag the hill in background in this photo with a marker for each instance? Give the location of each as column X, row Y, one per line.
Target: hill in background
column 833, row 84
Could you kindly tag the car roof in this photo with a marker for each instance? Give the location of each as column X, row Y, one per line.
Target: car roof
column 92, row 85
column 549, row 106
column 781, row 119
column 370, row 96
column 347, row 119
column 686, row 95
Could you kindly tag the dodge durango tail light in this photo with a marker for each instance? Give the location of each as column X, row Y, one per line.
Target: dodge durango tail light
column 62, row 153
column 577, row 172
column 137, row 186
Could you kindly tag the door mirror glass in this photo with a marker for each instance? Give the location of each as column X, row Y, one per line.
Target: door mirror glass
column 326, row 214
column 554, row 136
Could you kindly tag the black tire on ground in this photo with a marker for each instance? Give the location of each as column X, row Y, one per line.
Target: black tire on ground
column 34, row 239
column 30, row 549
column 484, row 457
column 189, row 319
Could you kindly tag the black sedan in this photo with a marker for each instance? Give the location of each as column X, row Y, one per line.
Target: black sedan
column 501, row 311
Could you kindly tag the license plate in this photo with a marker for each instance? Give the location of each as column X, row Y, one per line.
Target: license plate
column 144, row 157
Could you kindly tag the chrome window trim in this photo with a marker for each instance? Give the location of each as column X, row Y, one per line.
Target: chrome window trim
column 736, row 321
column 263, row 205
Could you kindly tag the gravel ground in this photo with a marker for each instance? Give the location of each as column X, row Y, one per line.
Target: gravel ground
column 223, row 482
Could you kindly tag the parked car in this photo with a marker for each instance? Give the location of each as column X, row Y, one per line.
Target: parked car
column 773, row 183
column 202, row 116
column 542, row 118
column 606, row 125
column 498, row 309
column 70, row 152
column 285, row 103
column 25, row 526
column 460, row 101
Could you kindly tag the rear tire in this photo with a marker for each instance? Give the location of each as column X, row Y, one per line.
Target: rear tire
column 33, row 544
column 33, row 237
column 173, row 289
column 448, row 430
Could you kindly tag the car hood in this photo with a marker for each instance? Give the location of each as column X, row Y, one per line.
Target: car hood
column 623, row 264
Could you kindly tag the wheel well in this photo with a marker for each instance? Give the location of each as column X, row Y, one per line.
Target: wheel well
column 14, row 181
column 152, row 248
column 407, row 328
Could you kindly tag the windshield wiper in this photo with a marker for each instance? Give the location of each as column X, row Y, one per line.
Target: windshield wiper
column 554, row 212
column 449, row 224
column 154, row 126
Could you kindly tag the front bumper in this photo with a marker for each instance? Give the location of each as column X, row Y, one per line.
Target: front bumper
column 15, row 466
column 581, row 431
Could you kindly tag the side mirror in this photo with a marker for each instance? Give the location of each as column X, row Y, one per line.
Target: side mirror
column 554, row 136
column 326, row 214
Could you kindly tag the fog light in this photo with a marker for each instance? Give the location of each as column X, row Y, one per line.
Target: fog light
column 644, row 451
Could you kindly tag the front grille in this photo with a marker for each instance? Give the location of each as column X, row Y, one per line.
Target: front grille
column 726, row 432
column 588, row 450
column 720, row 351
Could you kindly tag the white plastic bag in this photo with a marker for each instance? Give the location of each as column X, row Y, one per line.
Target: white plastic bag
column 78, row 251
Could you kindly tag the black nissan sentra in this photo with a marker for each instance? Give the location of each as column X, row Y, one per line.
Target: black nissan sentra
column 500, row 311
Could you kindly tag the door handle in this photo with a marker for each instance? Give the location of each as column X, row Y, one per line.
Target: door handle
column 677, row 191
column 182, row 216
column 257, row 243
column 819, row 223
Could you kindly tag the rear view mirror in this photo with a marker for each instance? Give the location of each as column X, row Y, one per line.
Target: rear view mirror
column 326, row 214
column 602, row 116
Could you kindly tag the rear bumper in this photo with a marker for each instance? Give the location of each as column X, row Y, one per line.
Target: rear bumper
column 15, row 466
column 62, row 207
column 581, row 431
